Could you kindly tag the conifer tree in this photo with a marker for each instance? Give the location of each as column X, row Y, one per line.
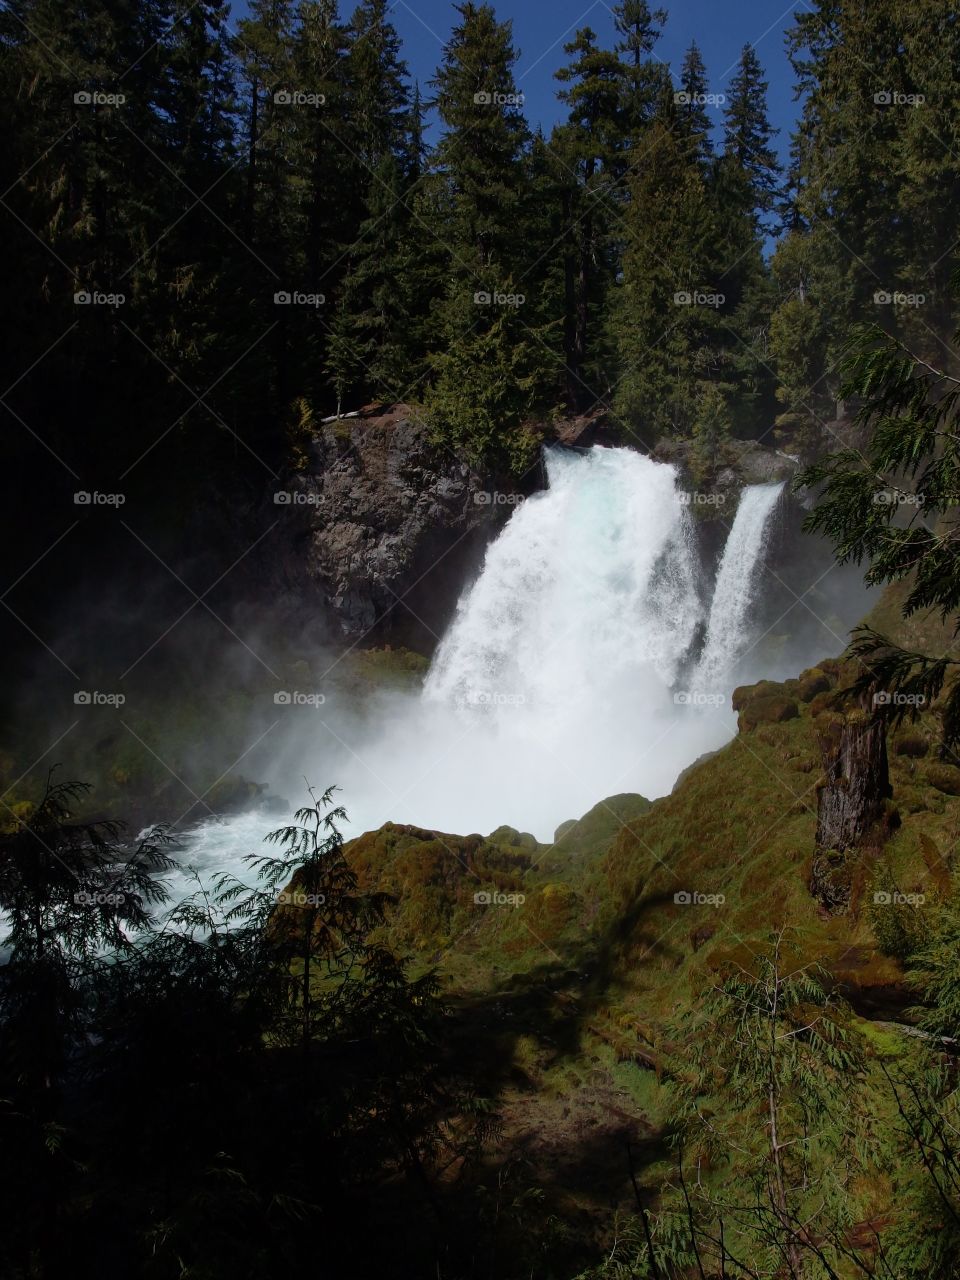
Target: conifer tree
column 766, row 1090
column 370, row 342
column 663, row 327
column 264, row 50
column 889, row 506
column 492, row 367
column 747, row 137
column 639, row 28
column 480, row 152
column 693, row 117
column 588, row 145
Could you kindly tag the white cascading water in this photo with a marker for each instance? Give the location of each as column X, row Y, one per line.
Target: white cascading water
column 564, row 677
column 738, row 580
column 587, row 601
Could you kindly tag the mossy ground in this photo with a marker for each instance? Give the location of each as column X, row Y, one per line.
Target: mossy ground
column 560, row 1004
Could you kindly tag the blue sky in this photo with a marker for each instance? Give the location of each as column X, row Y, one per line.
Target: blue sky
column 542, row 27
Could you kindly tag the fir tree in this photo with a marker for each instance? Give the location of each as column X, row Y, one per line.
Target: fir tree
column 639, row 28
column 492, row 367
column 889, row 506
column 664, row 333
column 693, row 117
column 481, row 148
column 765, row 1090
column 588, row 145
column 747, row 136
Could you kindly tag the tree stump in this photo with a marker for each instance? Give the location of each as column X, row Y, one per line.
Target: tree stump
column 851, row 801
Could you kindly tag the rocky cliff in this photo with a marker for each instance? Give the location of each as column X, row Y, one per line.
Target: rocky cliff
column 383, row 527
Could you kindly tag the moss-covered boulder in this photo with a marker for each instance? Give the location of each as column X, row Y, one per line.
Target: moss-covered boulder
column 751, row 692
column 771, row 708
column 945, row 777
column 511, row 838
column 594, row 832
column 812, row 682
column 912, row 744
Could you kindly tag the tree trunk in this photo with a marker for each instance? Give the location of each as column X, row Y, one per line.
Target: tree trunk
column 252, row 159
column 857, row 782
column 851, row 801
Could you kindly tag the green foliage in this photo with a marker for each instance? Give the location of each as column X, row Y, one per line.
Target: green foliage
column 275, row 1065
column 765, row 1079
column 693, row 117
column 711, row 428
column 488, row 382
column 891, row 507
column 864, row 163
column 923, row 1087
column 747, row 136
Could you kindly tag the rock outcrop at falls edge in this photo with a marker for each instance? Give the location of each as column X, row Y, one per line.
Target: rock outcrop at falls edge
column 383, row 527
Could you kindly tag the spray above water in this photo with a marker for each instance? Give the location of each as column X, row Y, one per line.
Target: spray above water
column 565, row 676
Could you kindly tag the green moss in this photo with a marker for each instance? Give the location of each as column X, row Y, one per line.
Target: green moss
column 593, row 832
column 944, row 777
column 813, row 682
column 767, row 709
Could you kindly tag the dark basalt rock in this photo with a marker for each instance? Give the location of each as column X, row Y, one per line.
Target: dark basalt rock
column 384, row 527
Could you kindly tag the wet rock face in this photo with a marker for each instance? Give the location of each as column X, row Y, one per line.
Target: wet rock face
column 386, row 528
column 743, row 462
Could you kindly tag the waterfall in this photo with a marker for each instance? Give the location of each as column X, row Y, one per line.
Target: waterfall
column 586, row 603
column 738, row 581
column 565, row 675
